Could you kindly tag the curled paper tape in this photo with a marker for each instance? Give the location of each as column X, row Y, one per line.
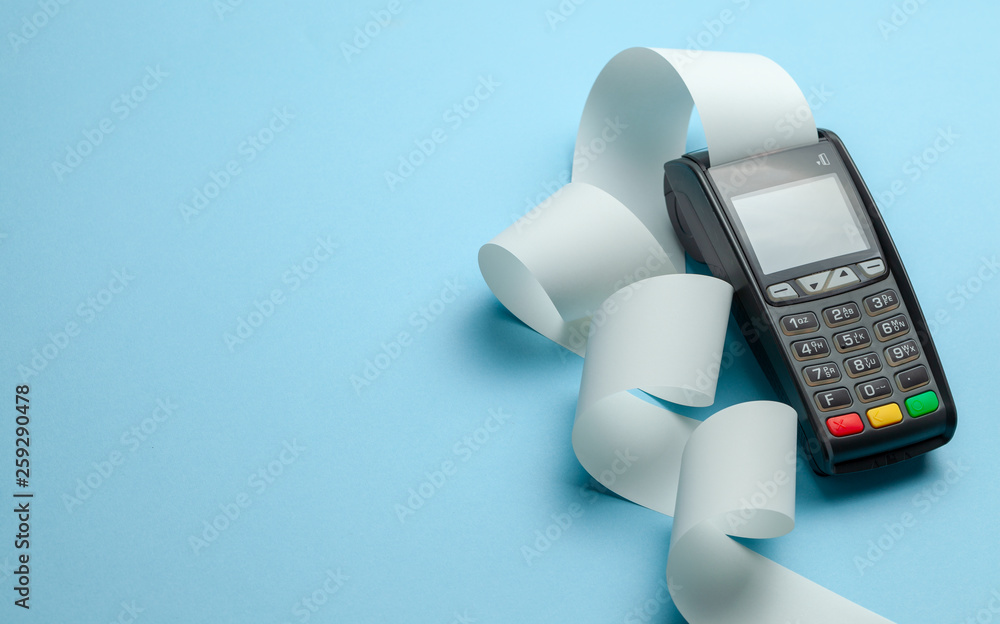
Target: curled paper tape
column 578, row 248
column 659, row 333
column 737, row 478
column 609, row 226
column 731, row 475
column 595, row 269
column 646, row 96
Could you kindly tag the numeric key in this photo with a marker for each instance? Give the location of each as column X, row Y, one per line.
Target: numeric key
column 902, row 353
column 841, row 315
column 799, row 323
column 863, row 365
column 853, row 340
column 882, row 302
column 873, row 390
column 810, row 349
column 820, row 374
column 892, row 327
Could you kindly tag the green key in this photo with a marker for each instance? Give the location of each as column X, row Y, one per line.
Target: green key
column 923, row 403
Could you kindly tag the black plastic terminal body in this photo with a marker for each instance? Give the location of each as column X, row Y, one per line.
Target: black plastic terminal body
column 706, row 230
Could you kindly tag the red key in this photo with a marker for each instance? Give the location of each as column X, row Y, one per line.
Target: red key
column 845, row 424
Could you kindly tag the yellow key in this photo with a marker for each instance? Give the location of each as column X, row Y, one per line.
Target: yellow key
column 883, row 415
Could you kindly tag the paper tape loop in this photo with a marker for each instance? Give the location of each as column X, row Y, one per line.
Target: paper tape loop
column 594, row 268
column 554, row 267
column 738, row 478
column 637, row 114
column 658, row 334
column 731, row 475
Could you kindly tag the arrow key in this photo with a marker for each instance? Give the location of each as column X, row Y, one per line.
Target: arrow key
column 842, row 277
column 814, row 283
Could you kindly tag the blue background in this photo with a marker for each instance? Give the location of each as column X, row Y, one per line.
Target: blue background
column 332, row 505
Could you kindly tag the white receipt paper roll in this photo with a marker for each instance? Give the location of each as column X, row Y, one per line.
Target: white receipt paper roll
column 658, row 334
column 595, row 269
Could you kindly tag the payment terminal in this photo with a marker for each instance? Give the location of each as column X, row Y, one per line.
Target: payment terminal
column 822, row 298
